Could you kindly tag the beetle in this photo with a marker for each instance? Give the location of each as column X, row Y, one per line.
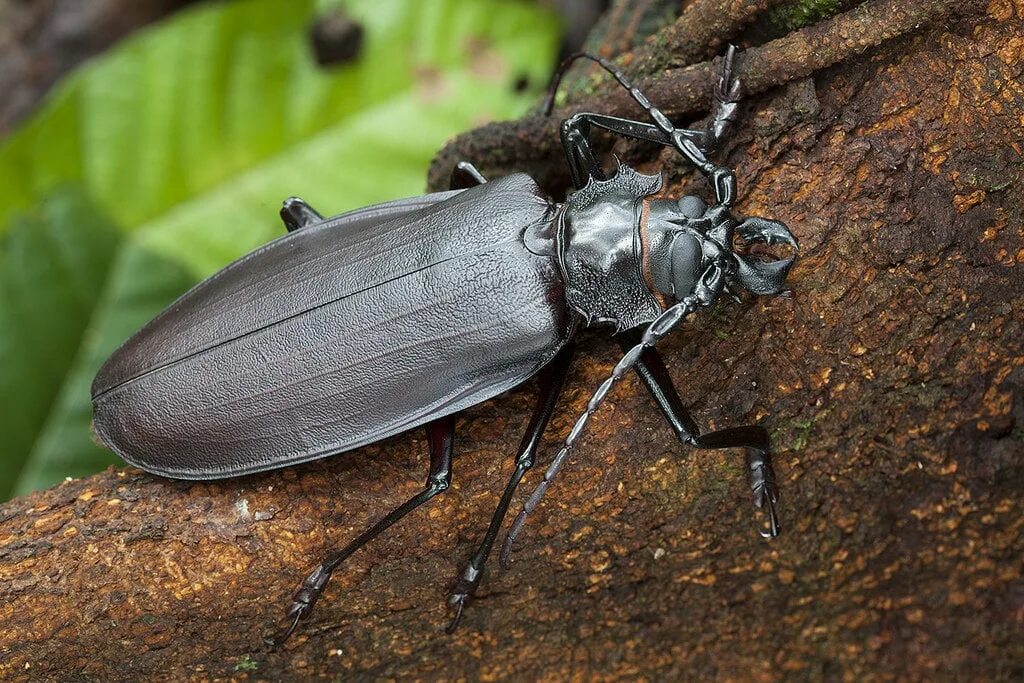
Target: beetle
column 350, row 329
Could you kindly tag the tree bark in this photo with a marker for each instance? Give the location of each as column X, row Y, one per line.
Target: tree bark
column 892, row 384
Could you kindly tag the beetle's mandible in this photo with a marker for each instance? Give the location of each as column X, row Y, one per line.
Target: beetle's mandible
column 351, row 329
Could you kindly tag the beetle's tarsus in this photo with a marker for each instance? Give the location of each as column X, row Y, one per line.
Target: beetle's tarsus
column 303, row 601
column 464, row 591
column 766, row 493
column 765, row 498
column 727, row 96
column 773, row 522
column 283, row 638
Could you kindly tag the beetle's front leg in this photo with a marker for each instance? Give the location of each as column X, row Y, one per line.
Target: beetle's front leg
column 652, row 371
column 727, row 97
column 759, row 465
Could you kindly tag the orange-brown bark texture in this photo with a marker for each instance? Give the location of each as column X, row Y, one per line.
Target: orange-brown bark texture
column 892, row 384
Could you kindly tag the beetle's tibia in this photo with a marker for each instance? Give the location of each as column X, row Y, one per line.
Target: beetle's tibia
column 296, row 214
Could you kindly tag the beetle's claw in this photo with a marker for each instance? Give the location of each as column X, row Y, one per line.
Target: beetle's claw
column 303, row 601
column 765, row 498
column 727, row 87
column 459, row 606
column 295, row 611
column 464, row 590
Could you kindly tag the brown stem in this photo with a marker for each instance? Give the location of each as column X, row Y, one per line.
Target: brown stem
column 705, row 25
column 524, row 144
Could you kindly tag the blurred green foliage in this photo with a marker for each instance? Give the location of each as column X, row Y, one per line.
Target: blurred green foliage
column 794, row 16
column 159, row 163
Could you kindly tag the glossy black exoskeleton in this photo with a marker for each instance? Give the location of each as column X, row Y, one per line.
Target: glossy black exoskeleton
column 354, row 328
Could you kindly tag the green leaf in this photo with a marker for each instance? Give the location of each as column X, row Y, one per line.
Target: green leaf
column 55, row 264
column 161, row 162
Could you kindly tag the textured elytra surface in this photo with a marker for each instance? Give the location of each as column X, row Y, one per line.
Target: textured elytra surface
column 892, row 384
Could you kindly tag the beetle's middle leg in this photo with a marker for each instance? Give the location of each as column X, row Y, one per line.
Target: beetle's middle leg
column 296, row 213
column 440, row 435
column 464, row 176
column 754, row 439
column 552, row 379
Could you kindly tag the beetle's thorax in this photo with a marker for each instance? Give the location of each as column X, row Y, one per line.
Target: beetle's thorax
column 602, row 251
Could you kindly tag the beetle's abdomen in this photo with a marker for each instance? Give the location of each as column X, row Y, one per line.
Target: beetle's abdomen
column 325, row 340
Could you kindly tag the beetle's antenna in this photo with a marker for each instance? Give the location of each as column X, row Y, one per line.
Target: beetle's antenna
column 656, row 114
column 661, row 326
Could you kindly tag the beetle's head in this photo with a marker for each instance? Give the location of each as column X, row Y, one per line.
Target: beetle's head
column 711, row 250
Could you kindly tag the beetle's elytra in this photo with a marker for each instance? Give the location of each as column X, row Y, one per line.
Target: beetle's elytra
column 350, row 329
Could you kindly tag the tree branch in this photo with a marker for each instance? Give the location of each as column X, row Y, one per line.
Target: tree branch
column 527, row 143
column 703, row 28
column 891, row 384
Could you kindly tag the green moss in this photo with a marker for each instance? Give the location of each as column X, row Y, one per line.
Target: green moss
column 247, row 663
column 796, row 15
column 797, row 430
column 803, row 427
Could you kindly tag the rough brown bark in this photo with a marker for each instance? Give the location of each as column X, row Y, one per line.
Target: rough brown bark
column 893, row 385
column 532, row 142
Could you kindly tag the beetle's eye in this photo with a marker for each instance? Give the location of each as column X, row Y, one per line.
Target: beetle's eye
column 687, row 258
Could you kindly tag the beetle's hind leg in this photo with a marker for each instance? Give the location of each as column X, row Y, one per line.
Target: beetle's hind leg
column 440, row 434
column 754, row 439
column 552, row 379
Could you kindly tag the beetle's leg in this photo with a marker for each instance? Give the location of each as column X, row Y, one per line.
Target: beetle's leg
column 464, row 176
column 575, row 132
column 722, row 179
column 552, row 379
column 727, row 103
column 689, row 143
column 440, row 435
column 296, row 214
column 582, row 164
column 651, row 369
column 759, row 463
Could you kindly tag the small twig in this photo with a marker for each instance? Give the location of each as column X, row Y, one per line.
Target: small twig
column 521, row 144
column 705, row 26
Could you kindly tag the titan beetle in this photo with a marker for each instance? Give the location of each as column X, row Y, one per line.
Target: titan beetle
column 351, row 329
